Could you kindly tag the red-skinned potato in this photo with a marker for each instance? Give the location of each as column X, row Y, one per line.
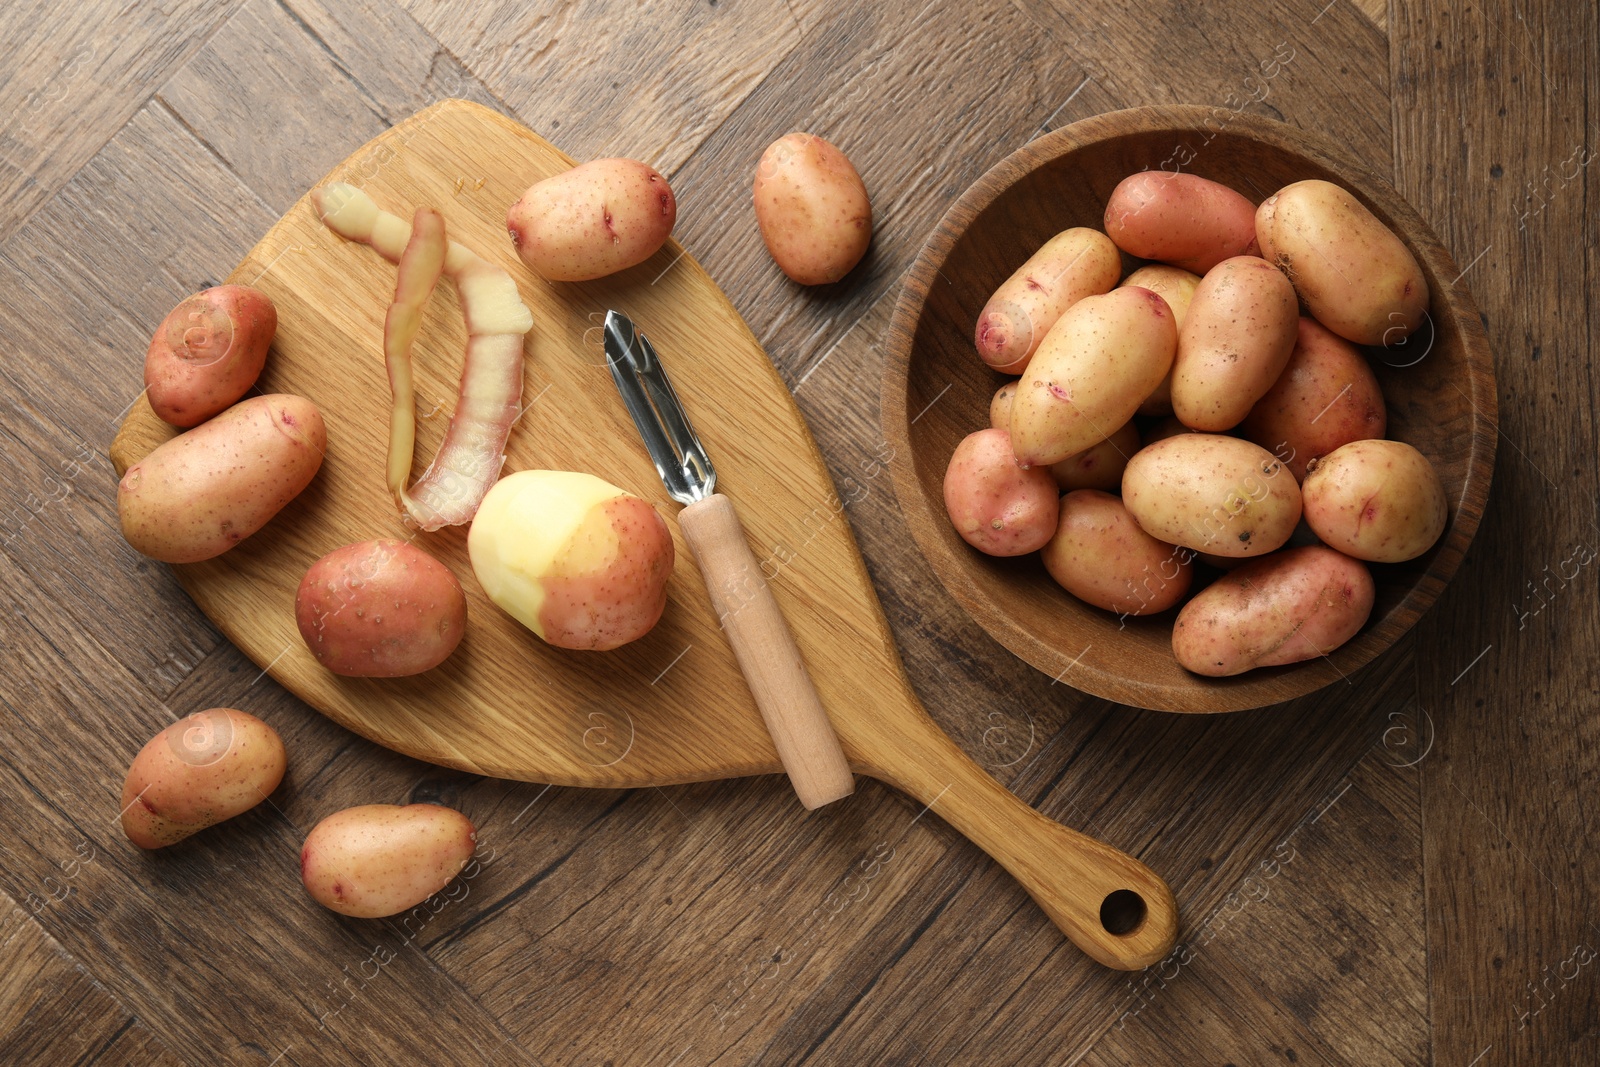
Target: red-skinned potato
column 1000, row 406
column 1101, row 556
column 1098, row 466
column 1294, row 605
column 812, row 209
column 381, row 859
column 1234, row 344
column 998, row 507
column 1352, row 273
column 197, row 772
column 1071, row 265
column 1181, row 219
column 204, row 491
column 1105, row 355
column 380, row 609
column 1376, row 500
column 1326, row 397
column 1210, row 493
column 208, row 352
column 1176, row 286
column 573, row 558
column 593, row 220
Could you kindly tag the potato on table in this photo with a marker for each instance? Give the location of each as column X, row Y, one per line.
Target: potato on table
column 381, row 859
column 206, row 490
column 1071, row 265
column 1352, row 273
column 996, row 505
column 1235, row 341
column 380, row 609
column 593, row 220
column 573, row 558
column 1103, row 357
column 1292, row 606
column 1213, row 494
column 1181, row 219
column 1100, row 555
column 1376, row 500
column 197, row 772
column 208, row 352
column 812, row 209
column 1326, row 397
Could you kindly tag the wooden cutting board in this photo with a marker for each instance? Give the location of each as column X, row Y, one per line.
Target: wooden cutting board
column 671, row 707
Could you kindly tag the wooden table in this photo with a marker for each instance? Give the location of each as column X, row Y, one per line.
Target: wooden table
column 1398, row 871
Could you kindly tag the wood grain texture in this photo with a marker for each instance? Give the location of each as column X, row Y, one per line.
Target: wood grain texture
column 1495, row 107
column 640, row 926
column 936, row 392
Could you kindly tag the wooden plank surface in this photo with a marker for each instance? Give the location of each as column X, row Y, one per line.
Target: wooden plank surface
column 1441, row 909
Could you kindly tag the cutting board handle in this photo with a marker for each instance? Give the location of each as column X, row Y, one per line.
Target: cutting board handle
column 1107, row 903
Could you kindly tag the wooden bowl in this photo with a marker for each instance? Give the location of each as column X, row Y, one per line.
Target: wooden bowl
column 1441, row 397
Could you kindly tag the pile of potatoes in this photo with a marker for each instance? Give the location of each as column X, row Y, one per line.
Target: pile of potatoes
column 1210, row 412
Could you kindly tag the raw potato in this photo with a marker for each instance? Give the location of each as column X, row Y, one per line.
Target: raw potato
column 1098, row 466
column 1352, row 273
column 1071, row 265
column 1235, row 342
column 208, row 352
column 381, row 859
column 380, row 609
column 997, row 506
column 593, row 220
column 1213, row 494
column 1176, row 286
column 1000, row 406
column 197, row 772
column 1099, row 362
column 1100, row 555
column 573, row 558
column 1376, row 500
column 1181, row 219
column 1326, row 397
column 206, row 490
column 1297, row 605
column 812, row 208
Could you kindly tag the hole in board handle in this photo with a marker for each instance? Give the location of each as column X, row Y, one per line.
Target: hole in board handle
column 1122, row 912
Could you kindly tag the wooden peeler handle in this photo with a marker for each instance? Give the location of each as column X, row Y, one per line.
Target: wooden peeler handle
column 767, row 653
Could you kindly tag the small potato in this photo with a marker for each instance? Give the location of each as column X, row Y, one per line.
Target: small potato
column 380, row 609
column 1213, row 494
column 1071, row 265
column 593, row 220
column 197, row 772
column 1326, row 397
column 1176, row 286
column 206, row 490
column 1292, row 606
column 1000, row 406
column 1376, row 500
column 1103, row 357
column 1235, row 342
column 1352, row 273
column 208, row 352
column 573, row 558
column 380, row 859
column 997, row 506
column 1181, row 219
column 812, row 208
column 1098, row 466
column 1100, row 555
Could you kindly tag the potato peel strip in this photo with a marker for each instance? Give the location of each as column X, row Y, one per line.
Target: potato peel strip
column 473, row 451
